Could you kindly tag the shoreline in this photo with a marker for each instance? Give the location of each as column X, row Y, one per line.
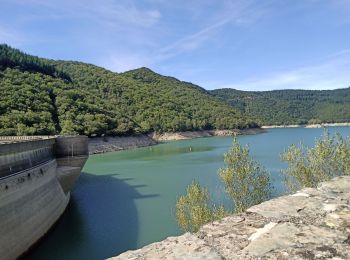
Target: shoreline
column 98, row 145
column 306, row 125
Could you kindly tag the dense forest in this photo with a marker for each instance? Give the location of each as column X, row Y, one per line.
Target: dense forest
column 41, row 96
column 280, row 107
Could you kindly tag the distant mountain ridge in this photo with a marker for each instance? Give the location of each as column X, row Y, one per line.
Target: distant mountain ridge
column 41, row 96
column 283, row 107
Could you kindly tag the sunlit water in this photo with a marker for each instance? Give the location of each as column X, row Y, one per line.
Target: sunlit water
column 124, row 200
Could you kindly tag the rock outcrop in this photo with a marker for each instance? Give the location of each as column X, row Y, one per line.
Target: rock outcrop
column 311, row 224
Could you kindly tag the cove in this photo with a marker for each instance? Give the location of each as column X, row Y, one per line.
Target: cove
column 125, row 200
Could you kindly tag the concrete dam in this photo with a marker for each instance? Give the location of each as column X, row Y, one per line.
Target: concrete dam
column 36, row 176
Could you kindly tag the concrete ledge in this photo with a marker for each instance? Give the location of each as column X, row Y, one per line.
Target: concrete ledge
column 311, row 224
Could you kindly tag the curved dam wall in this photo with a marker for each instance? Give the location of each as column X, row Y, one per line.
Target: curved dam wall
column 36, row 176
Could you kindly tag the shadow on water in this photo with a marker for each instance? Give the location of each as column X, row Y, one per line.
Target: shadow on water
column 101, row 221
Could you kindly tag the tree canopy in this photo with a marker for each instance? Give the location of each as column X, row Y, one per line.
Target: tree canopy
column 283, row 107
column 41, row 96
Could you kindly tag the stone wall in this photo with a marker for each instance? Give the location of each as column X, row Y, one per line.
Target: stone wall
column 311, row 224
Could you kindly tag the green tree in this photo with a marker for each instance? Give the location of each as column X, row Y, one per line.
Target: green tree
column 100, row 102
column 246, row 182
column 68, row 127
column 329, row 157
column 290, row 106
column 193, row 209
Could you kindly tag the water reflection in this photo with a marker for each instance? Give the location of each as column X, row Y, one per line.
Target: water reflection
column 101, row 221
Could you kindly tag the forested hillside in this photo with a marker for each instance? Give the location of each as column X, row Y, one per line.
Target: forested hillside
column 290, row 106
column 40, row 96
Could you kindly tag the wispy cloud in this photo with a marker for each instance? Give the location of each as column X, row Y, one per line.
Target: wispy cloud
column 231, row 13
column 179, row 36
column 331, row 73
column 113, row 29
column 123, row 12
column 10, row 37
column 133, row 33
column 236, row 13
column 109, row 12
column 192, row 41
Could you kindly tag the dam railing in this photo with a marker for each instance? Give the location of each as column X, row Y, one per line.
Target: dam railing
column 18, row 153
column 24, row 162
column 12, row 172
column 14, row 139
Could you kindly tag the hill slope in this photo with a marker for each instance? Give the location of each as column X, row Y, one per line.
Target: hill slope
column 41, row 96
column 280, row 107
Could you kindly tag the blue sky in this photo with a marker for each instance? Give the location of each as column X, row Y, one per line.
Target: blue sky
column 248, row 45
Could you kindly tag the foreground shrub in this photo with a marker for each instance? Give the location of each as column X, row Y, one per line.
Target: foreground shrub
column 246, row 182
column 330, row 157
column 193, row 209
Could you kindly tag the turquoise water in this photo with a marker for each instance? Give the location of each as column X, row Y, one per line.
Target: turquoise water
column 125, row 200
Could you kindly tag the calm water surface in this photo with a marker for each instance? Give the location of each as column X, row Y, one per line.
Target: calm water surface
column 125, row 200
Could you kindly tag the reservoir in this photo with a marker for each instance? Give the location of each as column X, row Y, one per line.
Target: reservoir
column 125, row 200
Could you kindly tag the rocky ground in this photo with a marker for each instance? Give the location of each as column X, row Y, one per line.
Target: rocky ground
column 311, row 224
column 110, row 144
column 204, row 133
column 306, row 126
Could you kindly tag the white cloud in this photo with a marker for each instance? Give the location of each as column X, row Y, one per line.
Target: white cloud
column 237, row 13
column 331, row 73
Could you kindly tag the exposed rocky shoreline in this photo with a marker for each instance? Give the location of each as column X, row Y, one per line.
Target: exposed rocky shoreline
column 204, row 133
column 311, row 224
column 109, row 144
column 118, row 143
column 306, row 126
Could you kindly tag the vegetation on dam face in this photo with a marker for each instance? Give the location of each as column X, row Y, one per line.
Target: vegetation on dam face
column 41, row 96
